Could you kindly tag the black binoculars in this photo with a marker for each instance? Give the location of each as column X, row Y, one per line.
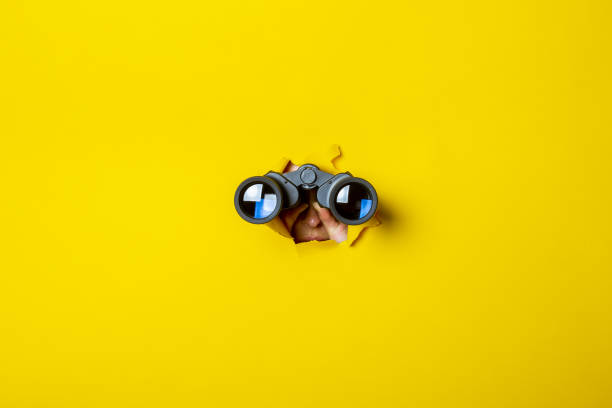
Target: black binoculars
column 350, row 199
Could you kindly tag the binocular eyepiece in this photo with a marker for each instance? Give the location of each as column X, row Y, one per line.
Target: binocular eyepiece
column 350, row 199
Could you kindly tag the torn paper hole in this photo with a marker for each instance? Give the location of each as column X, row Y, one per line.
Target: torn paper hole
column 303, row 224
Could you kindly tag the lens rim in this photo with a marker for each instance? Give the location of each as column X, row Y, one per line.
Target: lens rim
column 249, row 182
column 336, row 188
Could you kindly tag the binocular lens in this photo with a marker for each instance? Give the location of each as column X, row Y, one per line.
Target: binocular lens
column 353, row 201
column 258, row 201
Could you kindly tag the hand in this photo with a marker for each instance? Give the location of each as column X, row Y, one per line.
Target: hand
column 336, row 230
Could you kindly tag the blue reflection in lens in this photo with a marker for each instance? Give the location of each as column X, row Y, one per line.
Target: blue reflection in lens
column 265, row 207
column 354, row 201
column 258, row 201
column 366, row 206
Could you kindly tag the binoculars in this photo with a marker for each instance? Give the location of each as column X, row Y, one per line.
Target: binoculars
column 350, row 199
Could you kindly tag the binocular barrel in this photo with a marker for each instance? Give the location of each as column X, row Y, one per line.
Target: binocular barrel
column 351, row 200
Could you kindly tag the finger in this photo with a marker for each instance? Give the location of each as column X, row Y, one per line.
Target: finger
column 336, row 230
column 326, row 216
column 290, row 167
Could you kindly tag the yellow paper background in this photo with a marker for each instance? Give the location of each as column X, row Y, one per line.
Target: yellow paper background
column 127, row 279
